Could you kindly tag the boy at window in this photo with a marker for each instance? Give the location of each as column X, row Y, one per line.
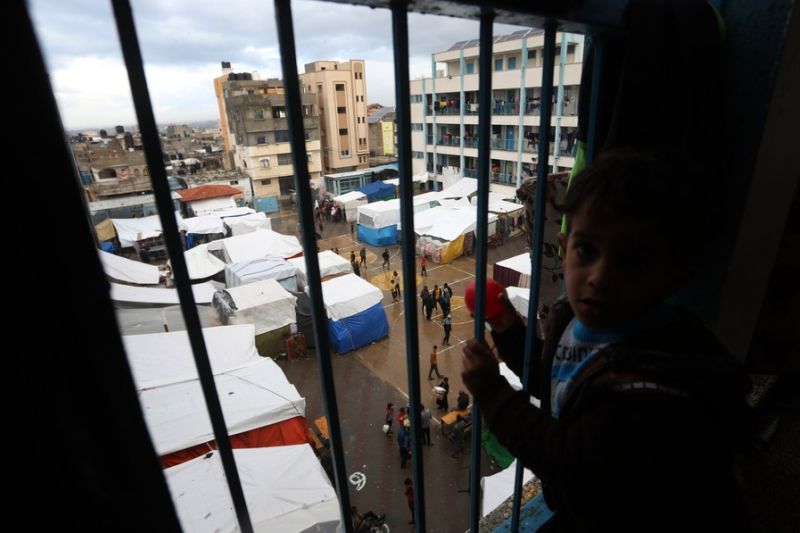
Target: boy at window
column 642, row 409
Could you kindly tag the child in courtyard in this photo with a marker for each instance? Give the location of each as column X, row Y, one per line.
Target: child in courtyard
column 642, row 408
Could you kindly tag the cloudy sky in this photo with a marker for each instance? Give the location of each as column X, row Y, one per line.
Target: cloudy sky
column 184, row 41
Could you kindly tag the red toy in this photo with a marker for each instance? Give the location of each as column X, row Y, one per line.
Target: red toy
column 493, row 305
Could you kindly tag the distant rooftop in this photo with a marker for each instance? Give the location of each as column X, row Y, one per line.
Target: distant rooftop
column 378, row 114
column 521, row 34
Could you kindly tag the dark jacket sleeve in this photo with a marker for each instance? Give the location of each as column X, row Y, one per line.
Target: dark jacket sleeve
column 511, row 346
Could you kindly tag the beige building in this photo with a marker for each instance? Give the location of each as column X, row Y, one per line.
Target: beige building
column 340, row 90
column 444, row 109
column 256, row 129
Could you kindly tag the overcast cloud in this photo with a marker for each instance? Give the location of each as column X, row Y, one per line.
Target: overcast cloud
column 183, row 43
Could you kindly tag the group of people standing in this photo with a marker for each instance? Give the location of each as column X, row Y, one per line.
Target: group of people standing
column 438, row 297
column 358, row 264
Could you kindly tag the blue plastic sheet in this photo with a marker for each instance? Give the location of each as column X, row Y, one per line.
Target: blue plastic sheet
column 355, row 331
column 377, row 190
column 378, row 236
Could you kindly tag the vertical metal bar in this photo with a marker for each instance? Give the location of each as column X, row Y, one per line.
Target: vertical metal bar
column 132, row 55
column 538, row 233
column 484, row 147
column 594, row 99
column 403, row 115
column 283, row 16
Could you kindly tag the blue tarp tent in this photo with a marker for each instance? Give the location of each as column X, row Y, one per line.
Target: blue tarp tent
column 352, row 332
column 378, row 236
column 377, row 190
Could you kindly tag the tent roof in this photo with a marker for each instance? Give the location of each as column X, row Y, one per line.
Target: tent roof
column 204, row 224
column 285, row 487
column 159, row 359
column 203, row 292
column 329, row 264
column 498, row 487
column 377, row 189
column 205, row 192
column 132, row 229
column 463, row 187
column 202, row 263
column 349, row 196
column 519, row 297
column 348, row 295
column 259, row 293
column 129, row 271
column 454, row 223
column 521, row 263
column 259, row 244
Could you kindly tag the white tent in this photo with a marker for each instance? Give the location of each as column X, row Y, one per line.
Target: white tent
column 457, row 222
column 253, row 395
column 234, row 212
column 134, row 229
column 265, row 304
column 514, row 271
column 351, row 200
column 208, row 206
column 285, row 487
column 248, row 223
column 519, row 297
column 419, row 178
column 159, row 359
column 202, row 225
column 259, row 244
column 383, row 214
column 500, row 203
column 122, row 269
column 201, row 263
column 152, row 296
column 349, row 295
column 144, row 320
column 330, row 264
column 498, row 487
column 246, row 272
column 461, row 189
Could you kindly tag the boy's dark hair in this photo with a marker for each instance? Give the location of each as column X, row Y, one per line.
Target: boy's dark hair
column 655, row 187
column 407, row 481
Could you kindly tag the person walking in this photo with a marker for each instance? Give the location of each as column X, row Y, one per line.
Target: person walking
column 434, row 363
column 410, row 497
column 356, row 270
column 363, row 254
column 436, row 294
column 442, row 401
column 424, row 295
column 352, row 256
column 385, row 256
column 423, row 264
column 446, row 290
column 353, row 230
column 448, row 325
column 425, row 420
column 389, row 417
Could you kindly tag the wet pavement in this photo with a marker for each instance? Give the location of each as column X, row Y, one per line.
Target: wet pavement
column 368, row 378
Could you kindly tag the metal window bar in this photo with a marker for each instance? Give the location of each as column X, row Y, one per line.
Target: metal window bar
column 537, row 215
column 408, row 246
column 484, row 137
column 132, row 55
column 283, row 19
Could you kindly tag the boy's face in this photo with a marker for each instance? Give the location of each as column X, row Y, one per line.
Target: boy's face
column 616, row 268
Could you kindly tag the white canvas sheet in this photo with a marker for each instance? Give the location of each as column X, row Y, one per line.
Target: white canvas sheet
column 460, row 189
column 500, row 203
column 260, row 244
column 234, row 212
column 248, row 223
column 259, row 269
column 265, row 304
column 455, row 203
column 383, row 214
column 201, row 263
column 285, row 488
column 253, row 396
column 145, row 320
column 519, row 297
column 498, row 487
column 159, row 359
column 456, row 223
column 129, row 271
column 133, row 229
column 212, row 205
column 348, row 295
column 202, row 225
column 203, row 292
column 521, row 263
column 351, row 200
column 330, row 264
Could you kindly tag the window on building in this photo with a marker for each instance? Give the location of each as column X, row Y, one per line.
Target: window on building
column 258, row 115
column 512, row 63
column 344, row 153
column 284, row 159
column 498, row 64
column 342, row 131
column 340, row 87
column 235, row 182
column 308, row 135
column 261, row 139
column 250, row 91
column 308, row 110
column 417, row 155
column 416, row 126
column 266, row 182
column 470, row 67
column 416, row 98
column 279, row 112
column 264, row 161
column 281, row 136
column 341, row 110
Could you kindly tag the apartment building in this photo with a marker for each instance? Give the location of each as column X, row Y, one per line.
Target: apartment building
column 256, row 129
column 444, row 108
column 382, row 132
column 340, row 90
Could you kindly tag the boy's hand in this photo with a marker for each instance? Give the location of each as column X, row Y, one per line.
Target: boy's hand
column 479, row 366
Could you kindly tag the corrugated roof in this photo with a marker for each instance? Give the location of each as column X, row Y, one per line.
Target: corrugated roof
column 473, row 43
column 378, row 115
column 204, row 192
